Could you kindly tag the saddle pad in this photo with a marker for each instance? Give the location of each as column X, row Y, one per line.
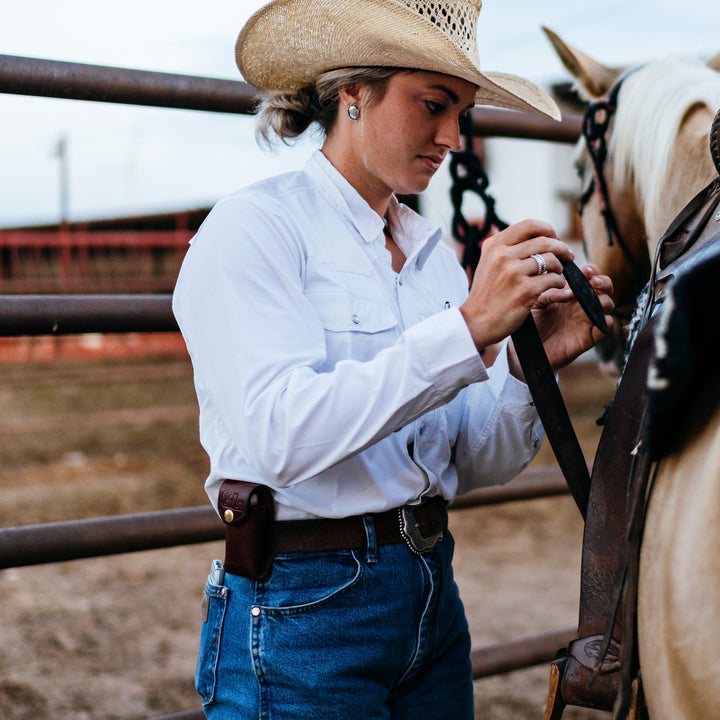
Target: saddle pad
column 687, row 338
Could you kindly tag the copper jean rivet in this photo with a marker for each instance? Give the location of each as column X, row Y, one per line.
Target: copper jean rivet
column 255, row 611
column 229, row 516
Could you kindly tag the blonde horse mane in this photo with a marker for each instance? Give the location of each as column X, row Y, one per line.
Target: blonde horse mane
column 655, row 100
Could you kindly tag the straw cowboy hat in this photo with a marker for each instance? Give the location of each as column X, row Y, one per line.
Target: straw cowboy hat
column 289, row 43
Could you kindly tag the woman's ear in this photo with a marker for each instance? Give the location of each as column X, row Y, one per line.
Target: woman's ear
column 349, row 95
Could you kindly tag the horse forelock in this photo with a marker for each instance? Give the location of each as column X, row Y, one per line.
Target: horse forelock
column 652, row 104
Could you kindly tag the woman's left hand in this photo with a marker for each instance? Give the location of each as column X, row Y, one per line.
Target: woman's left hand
column 565, row 329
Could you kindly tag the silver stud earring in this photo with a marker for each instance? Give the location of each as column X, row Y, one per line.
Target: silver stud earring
column 353, row 112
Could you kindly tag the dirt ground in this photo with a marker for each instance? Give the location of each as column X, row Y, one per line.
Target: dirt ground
column 115, row 638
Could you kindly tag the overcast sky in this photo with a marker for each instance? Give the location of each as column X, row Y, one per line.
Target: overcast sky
column 129, row 160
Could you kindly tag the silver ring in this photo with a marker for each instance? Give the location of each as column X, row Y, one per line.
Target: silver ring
column 540, row 260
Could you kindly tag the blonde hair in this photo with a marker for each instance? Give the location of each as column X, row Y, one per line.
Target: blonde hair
column 287, row 115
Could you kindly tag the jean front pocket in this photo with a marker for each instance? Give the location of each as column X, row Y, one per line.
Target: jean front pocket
column 307, row 582
column 215, row 601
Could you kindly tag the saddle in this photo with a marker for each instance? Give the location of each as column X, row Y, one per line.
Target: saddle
column 600, row 668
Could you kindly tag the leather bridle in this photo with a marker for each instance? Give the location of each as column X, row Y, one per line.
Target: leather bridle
column 595, row 131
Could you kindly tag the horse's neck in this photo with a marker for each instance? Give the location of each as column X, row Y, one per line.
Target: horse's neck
column 691, row 168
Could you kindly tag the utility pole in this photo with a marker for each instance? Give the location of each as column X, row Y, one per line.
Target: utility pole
column 64, row 237
column 61, row 154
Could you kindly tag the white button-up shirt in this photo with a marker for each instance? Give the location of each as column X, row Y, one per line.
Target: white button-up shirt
column 320, row 372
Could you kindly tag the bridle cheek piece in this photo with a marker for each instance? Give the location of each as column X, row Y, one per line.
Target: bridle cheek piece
column 595, row 131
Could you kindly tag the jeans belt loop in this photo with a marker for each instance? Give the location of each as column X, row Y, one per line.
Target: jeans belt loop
column 412, row 534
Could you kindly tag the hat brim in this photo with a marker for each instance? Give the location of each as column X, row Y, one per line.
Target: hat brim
column 288, row 43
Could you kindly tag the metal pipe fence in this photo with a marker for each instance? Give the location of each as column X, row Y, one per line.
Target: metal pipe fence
column 72, row 314
column 77, row 81
column 76, row 314
column 95, row 537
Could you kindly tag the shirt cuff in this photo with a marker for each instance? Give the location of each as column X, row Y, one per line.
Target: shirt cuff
column 447, row 351
column 514, row 394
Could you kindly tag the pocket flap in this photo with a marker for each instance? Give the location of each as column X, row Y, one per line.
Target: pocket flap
column 340, row 312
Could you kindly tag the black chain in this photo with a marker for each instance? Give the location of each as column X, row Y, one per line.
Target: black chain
column 468, row 173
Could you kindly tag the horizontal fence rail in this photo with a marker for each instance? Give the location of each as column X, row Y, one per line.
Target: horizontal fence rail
column 78, row 81
column 75, row 314
column 77, row 539
column 96, row 537
column 518, row 654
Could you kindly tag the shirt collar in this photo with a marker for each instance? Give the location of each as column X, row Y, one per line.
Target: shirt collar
column 414, row 234
column 344, row 196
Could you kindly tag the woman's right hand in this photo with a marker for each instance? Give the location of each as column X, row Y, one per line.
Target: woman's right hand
column 506, row 284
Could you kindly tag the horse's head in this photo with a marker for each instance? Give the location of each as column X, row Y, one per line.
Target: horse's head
column 625, row 260
column 627, row 159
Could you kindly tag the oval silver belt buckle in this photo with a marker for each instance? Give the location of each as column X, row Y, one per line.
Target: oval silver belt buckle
column 410, row 531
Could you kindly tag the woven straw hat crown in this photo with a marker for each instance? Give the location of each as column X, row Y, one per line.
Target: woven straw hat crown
column 287, row 44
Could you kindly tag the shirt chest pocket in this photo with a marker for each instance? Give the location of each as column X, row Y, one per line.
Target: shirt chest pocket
column 355, row 328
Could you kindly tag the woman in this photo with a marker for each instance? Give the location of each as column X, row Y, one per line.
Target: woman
column 342, row 366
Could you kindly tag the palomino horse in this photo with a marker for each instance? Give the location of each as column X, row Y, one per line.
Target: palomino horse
column 655, row 131
column 657, row 158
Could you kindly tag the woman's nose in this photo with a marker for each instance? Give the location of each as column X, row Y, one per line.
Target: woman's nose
column 449, row 134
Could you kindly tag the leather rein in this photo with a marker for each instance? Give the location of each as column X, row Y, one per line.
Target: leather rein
column 468, row 174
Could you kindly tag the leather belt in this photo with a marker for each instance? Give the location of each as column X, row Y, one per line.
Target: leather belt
column 253, row 537
column 419, row 526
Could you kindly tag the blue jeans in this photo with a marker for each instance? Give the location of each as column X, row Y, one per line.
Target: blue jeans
column 371, row 634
